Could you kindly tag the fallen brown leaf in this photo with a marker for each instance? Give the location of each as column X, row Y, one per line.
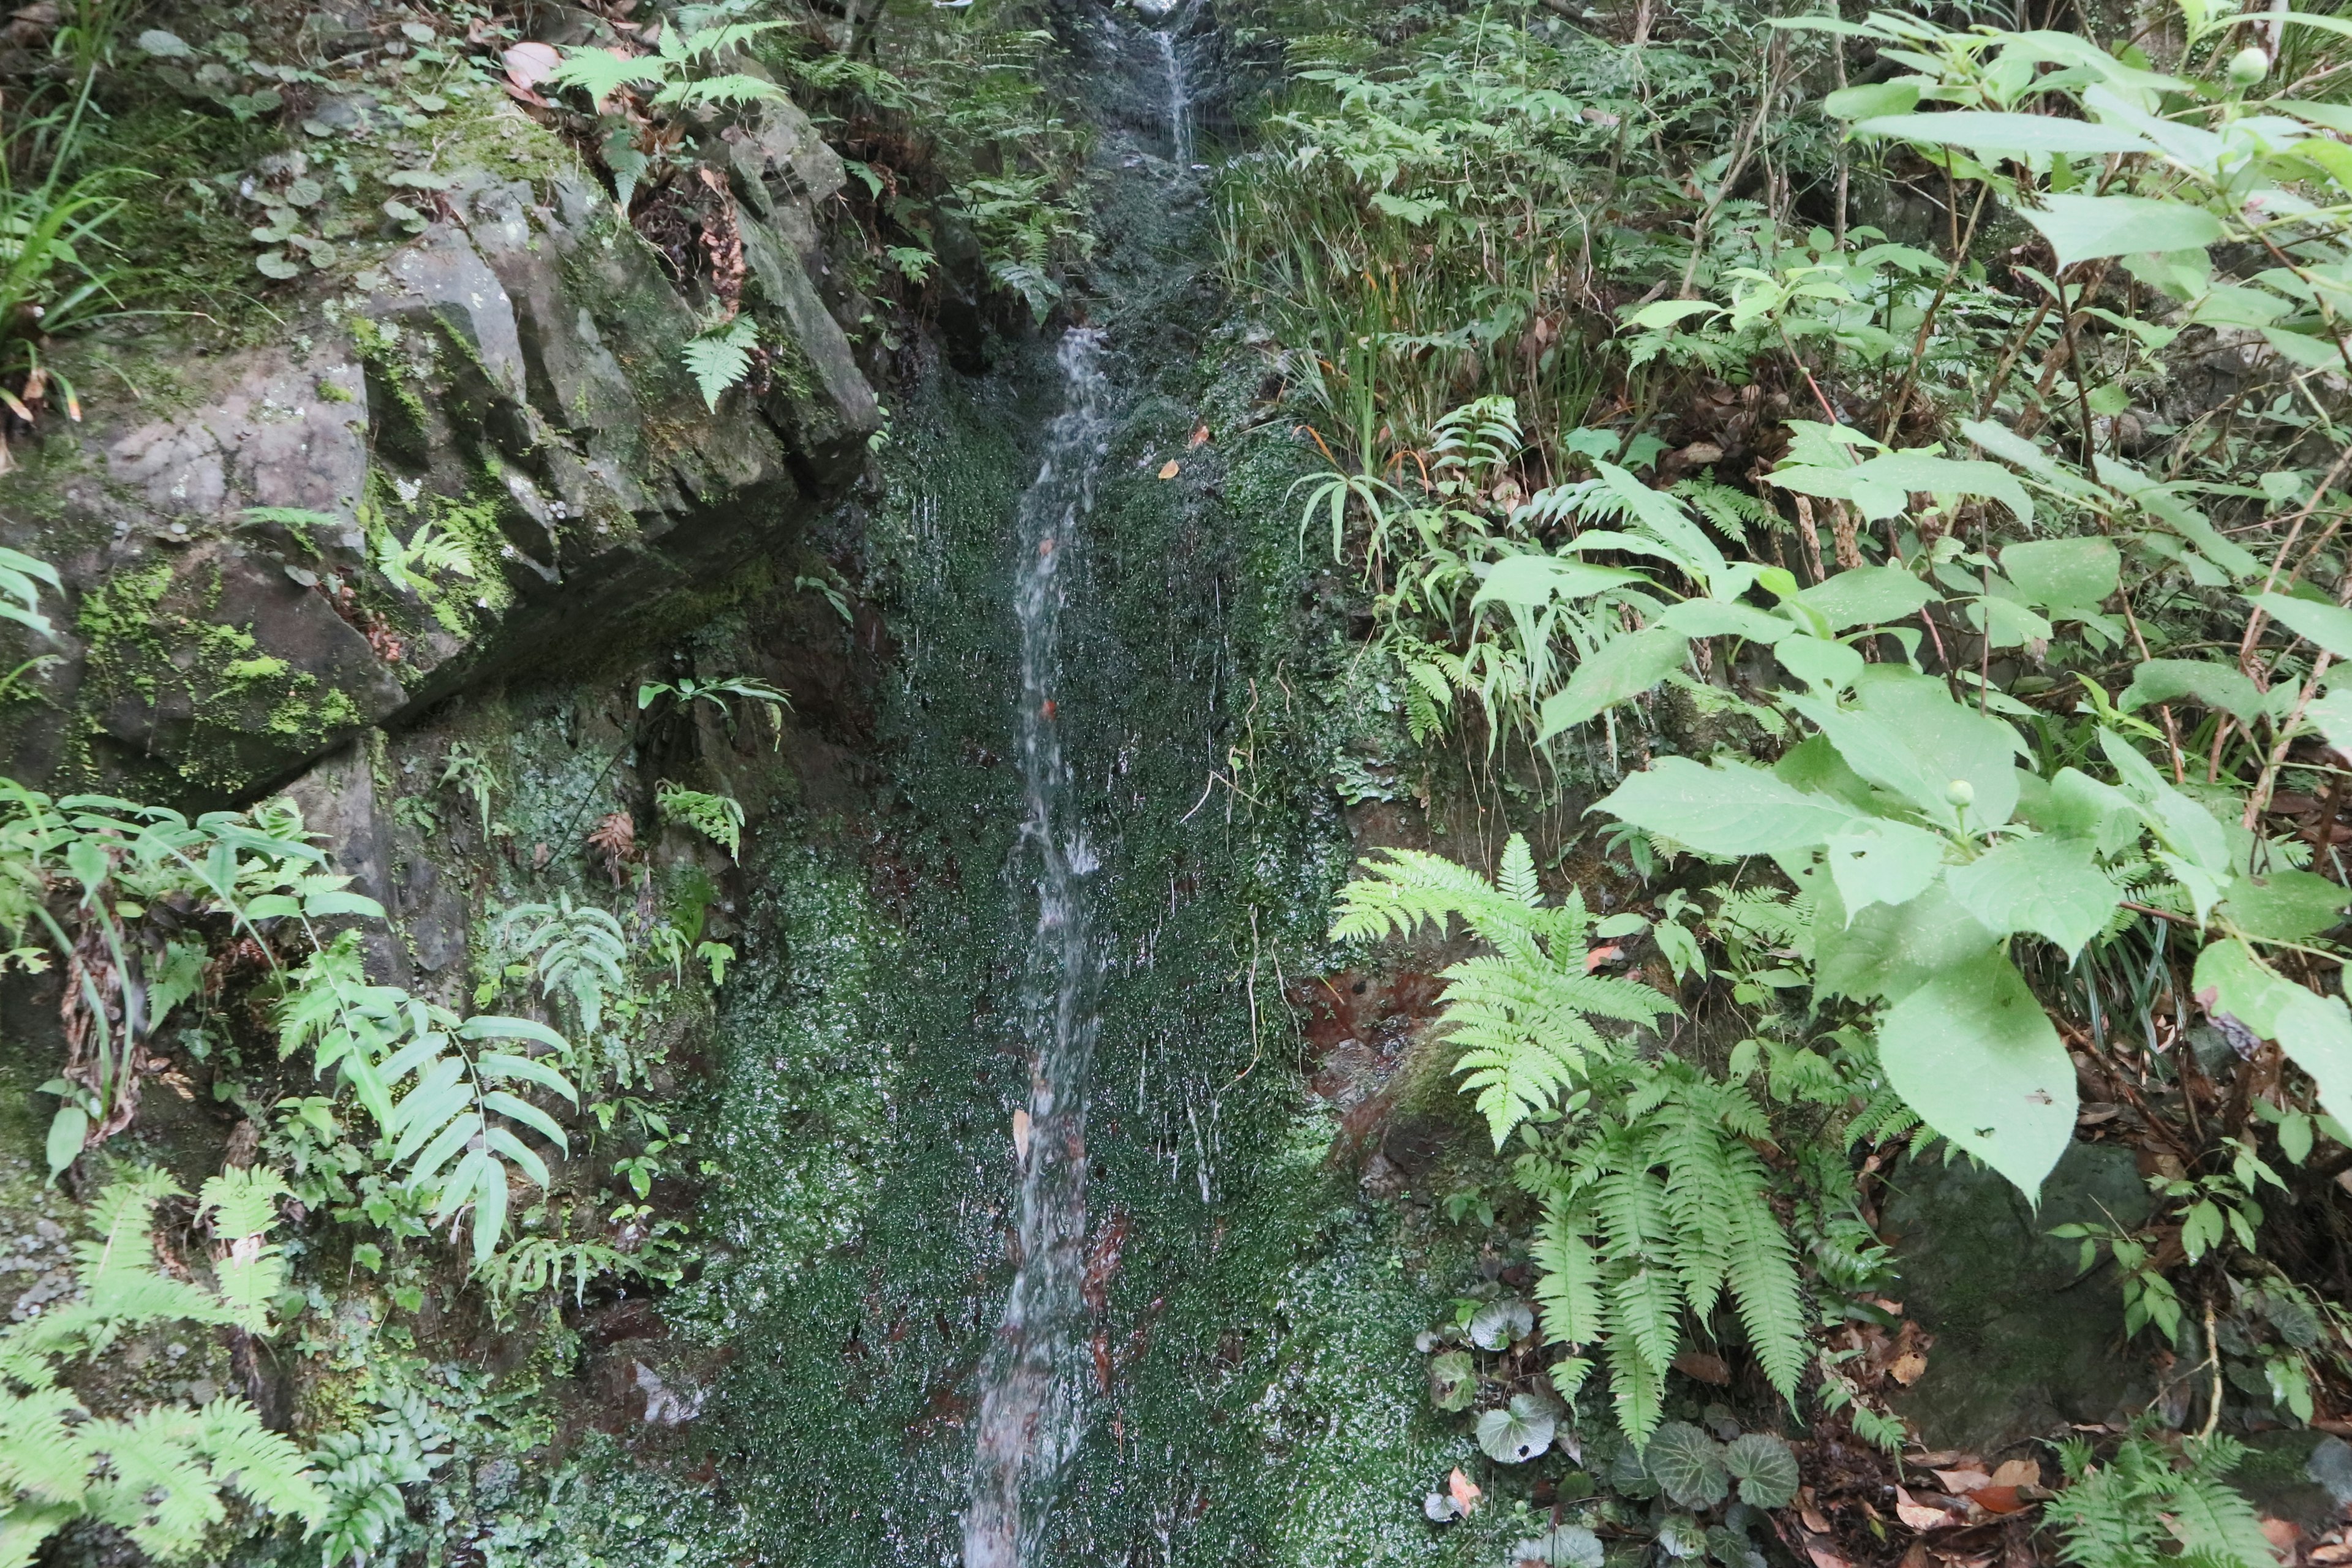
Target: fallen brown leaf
column 1960, row 1483
column 1462, row 1490
column 1907, row 1368
column 1997, row 1499
column 2283, row 1534
column 529, row 64
column 1168, row 469
column 2017, row 1473
column 1704, row 1366
column 1200, row 437
column 1814, row 1521
column 1824, row 1558
column 1594, row 958
column 1919, row 1515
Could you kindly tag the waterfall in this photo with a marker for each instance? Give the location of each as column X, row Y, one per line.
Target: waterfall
column 1180, row 100
column 1032, row 1396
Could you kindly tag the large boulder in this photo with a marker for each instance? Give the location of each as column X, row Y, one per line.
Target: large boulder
column 488, row 456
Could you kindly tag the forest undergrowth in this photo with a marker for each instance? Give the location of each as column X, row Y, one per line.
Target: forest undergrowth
column 1866, row 488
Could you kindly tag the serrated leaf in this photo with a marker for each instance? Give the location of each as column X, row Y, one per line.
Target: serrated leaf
column 1766, row 1468
column 2083, row 228
column 1724, row 810
column 1519, row 1433
column 2328, row 626
column 2214, row 687
column 1904, row 733
column 1867, row 596
column 1971, row 1052
column 2044, row 884
column 1562, row 1546
column 1618, row 671
column 2063, row 574
column 1875, row 861
column 2314, row 1031
column 2284, row 906
column 1687, row 1464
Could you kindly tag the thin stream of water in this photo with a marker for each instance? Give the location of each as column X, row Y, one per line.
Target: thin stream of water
column 1032, row 1410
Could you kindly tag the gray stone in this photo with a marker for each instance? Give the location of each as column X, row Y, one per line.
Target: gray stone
column 2023, row 1345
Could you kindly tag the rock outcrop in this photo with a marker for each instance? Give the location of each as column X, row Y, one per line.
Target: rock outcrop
column 488, row 456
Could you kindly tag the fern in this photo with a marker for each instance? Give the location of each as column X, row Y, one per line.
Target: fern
column 156, row 1474
column 2124, row 1513
column 455, row 1104
column 1649, row 1221
column 362, row 1473
column 1521, row 1014
column 575, row 951
column 1656, row 1207
column 718, row 818
column 720, row 358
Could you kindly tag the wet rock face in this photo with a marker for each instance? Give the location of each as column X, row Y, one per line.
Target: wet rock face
column 2021, row 1349
column 509, row 384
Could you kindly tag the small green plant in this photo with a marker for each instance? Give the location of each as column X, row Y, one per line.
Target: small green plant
column 718, row 818
column 720, row 358
column 575, row 951
column 469, row 772
column 21, row 577
column 412, row 564
column 722, row 693
column 638, row 94
column 52, row 235
column 364, row 1472
column 2150, row 1503
column 157, row 1474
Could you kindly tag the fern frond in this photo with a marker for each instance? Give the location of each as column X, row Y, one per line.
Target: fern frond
column 1636, row 1390
column 1646, row 1313
column 1567, row 1286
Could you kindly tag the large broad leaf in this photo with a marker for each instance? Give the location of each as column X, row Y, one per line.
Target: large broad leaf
column 1972, row 1052
column 1875, row 861
column 2314, row 1030
column 1904, row 733
column 2045, row 884
column 1891, row 950
column 1517, row 1434
column 1767, row 1469
column 1534, row 581
column 2074, row 802
column 1720, row 617
column 2211, row 685
column 2082, row 229
column 2063, row 573
column 1618, row 671
column 1990, row 135
column 2328, row 626
column 1687, row 1464
column 1867, row 596
column 1726, row 810
column 1881, row 487
column 2285, row 906
column 2333, row 714
column 1876, row 99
